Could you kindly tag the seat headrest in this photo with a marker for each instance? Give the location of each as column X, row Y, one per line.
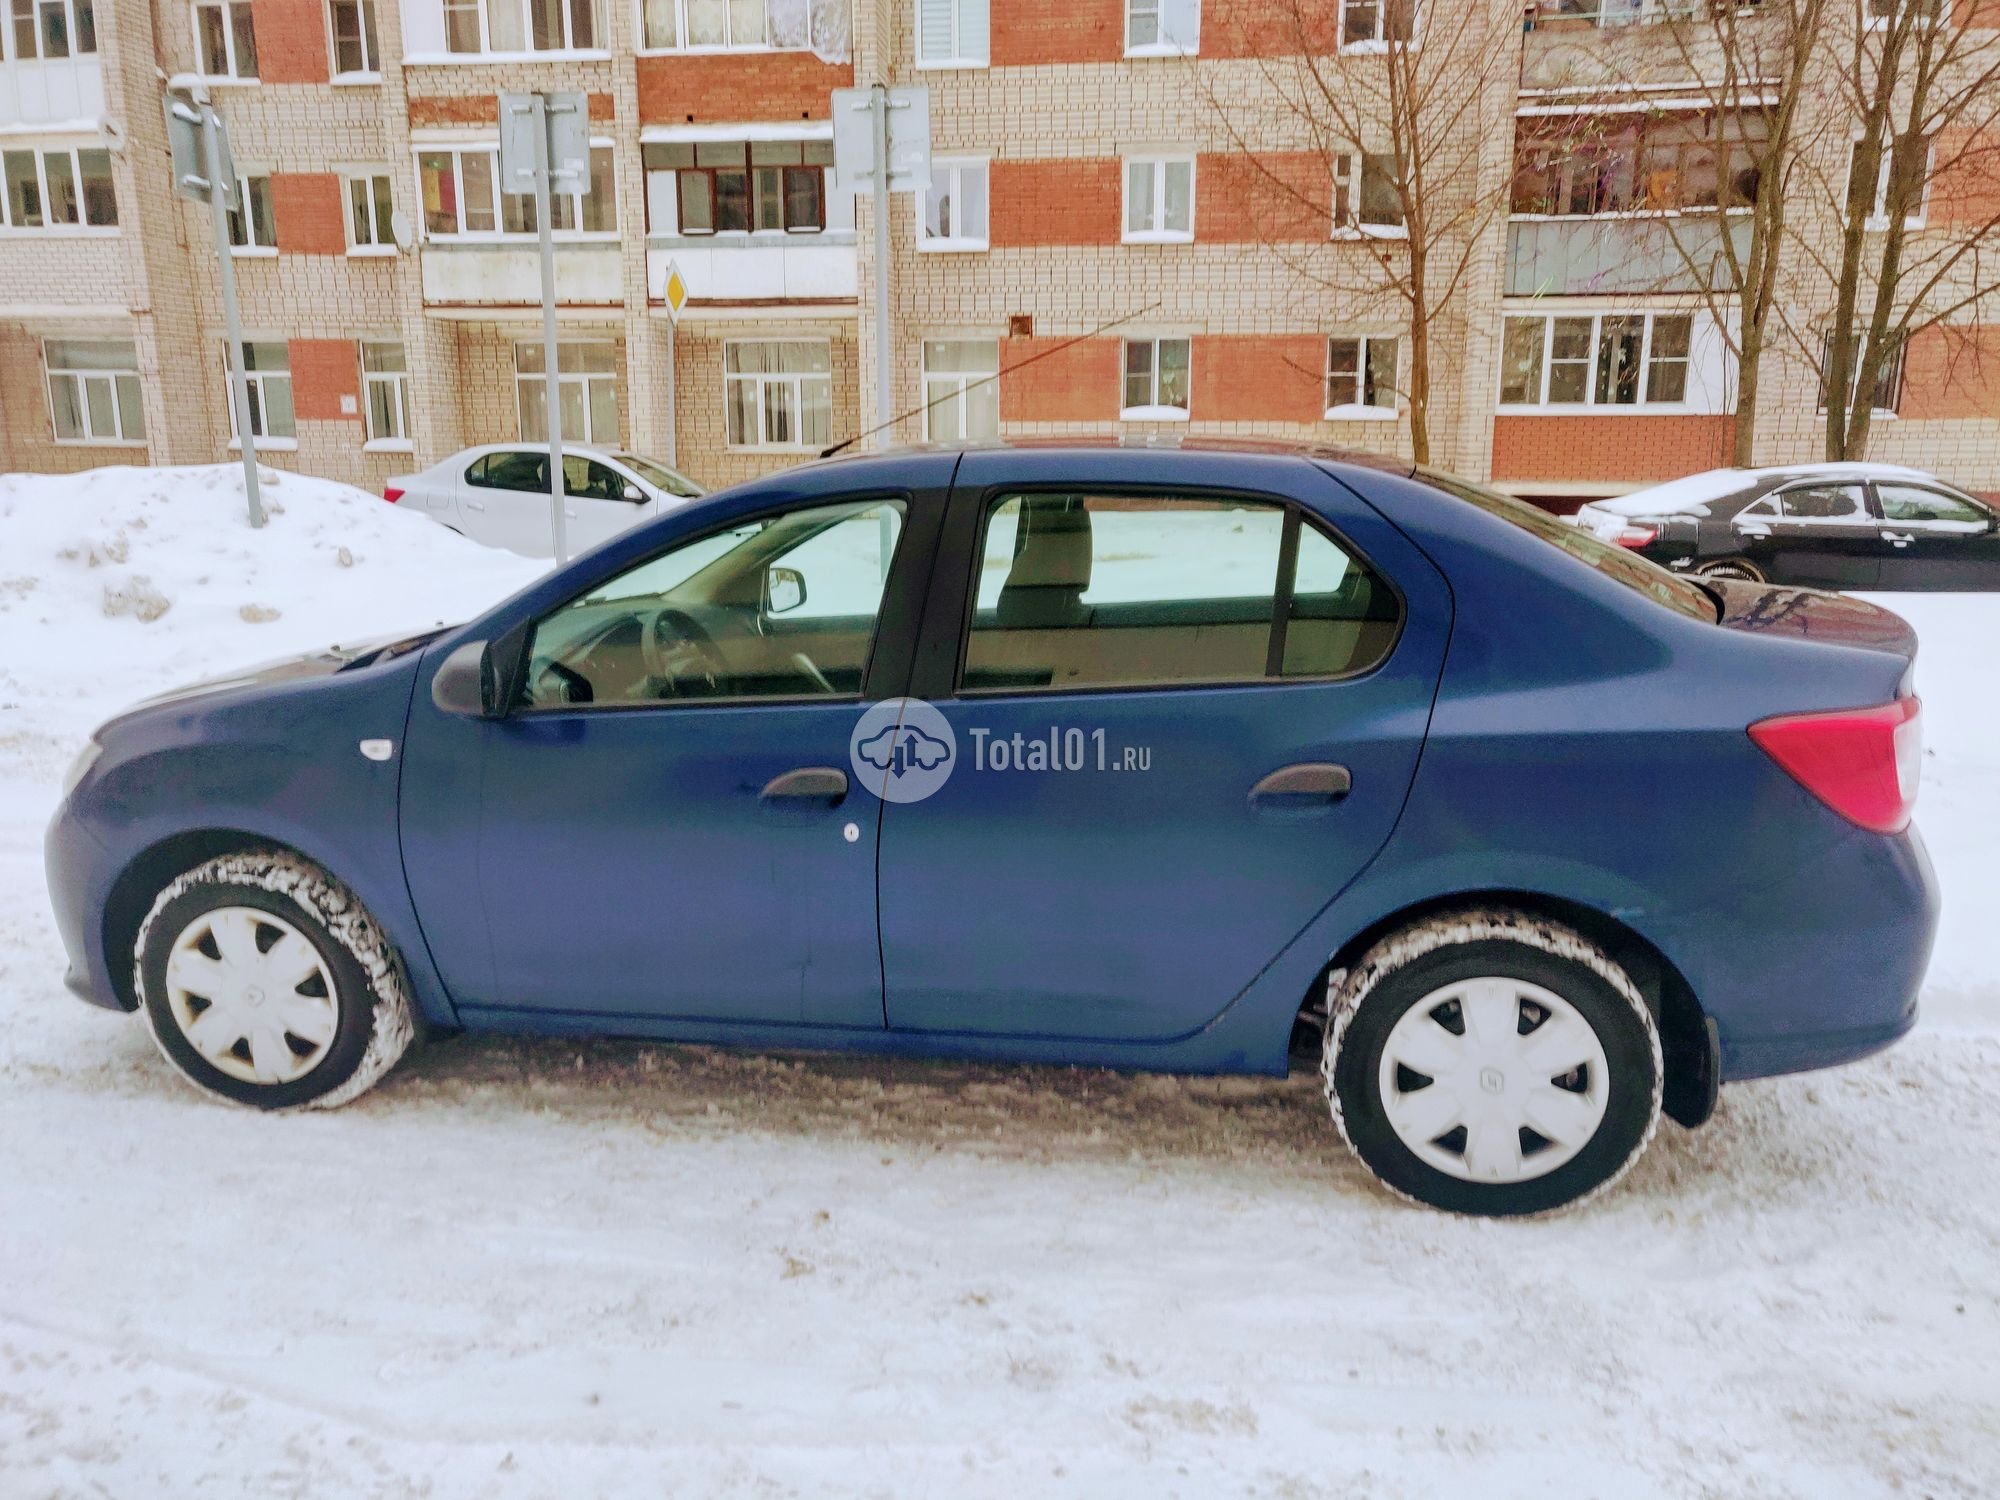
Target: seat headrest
column 1052, row 545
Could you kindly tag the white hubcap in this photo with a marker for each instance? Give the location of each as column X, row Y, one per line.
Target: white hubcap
column 252, row 995
column 1494, row 1080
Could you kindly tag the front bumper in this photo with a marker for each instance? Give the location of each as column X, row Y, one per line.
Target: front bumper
column 78, row 874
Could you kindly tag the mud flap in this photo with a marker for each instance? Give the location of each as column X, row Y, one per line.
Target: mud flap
column 1694, row 1077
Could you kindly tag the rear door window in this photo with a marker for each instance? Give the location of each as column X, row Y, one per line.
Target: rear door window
column 1108, row 591
column 511, row 470
column 1826, row 504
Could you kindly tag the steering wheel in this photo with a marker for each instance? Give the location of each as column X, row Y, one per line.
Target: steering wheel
column 682, row 657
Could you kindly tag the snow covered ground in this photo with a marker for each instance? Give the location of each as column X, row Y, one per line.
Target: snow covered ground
column 544, row 1268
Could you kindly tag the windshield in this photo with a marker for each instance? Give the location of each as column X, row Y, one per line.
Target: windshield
column 659, row 476
column 1626, row 567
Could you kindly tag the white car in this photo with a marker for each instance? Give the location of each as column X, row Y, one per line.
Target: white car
column 1692, row 493
column 499, row 494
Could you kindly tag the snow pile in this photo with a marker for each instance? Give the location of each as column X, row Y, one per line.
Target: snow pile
column 119, row 582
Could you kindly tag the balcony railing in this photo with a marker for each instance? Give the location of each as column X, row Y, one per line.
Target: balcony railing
column 508, row 274
column 757, row 268
column 1586, row 257
column 59, row 92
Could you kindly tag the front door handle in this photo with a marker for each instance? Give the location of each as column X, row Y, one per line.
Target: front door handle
column 808, row 784
column 1308, row 782
column 1900, row 538
column 477, row 504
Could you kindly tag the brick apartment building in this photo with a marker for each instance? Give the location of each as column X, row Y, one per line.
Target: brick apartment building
column 1084, row 172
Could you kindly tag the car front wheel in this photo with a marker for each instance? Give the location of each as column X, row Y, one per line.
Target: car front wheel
column 1492, row 1062
column 265, row 981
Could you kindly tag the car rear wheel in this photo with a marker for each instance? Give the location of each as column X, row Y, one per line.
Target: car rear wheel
column 1492, row 1062
column 1733, row 567
column 265, row 981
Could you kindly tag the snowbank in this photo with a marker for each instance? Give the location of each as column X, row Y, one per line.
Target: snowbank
column 118, row 582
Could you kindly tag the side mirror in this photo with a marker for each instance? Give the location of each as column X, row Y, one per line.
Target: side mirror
column 633, row 493
column 467, row 684
column 784, row 590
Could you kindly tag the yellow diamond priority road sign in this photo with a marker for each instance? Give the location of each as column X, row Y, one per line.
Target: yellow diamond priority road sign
column 676, row 290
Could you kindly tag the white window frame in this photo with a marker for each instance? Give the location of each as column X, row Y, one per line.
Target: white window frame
column 9, row 43
column 955, row 167
column 1158, row 234
column 1162, row 12
column 1896, row 372
column 252, row 246
column 83, row 378
column 1349, row 169
column 47, row 226
column 1939, row 13
column 764, row 380
column 958, row 382
column 458, row 150
column 371, row 47
column 1878, row 212
column 261, row 404
column 1379, row 43
column 599, row 46
column 956, row 56
column 228, row 40
column 683, row 45
column 1154, row 411
column 531, row 386
column 382, row 231
column 398, row 382
column 1590, row 403
column 1357, row 410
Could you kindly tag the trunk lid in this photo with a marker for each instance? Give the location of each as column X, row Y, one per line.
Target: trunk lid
column 1810, row 614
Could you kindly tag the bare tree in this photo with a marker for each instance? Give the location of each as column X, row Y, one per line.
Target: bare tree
column 1915, row 202
column 1364, row 146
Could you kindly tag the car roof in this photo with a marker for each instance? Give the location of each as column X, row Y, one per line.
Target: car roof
column 1691, row 490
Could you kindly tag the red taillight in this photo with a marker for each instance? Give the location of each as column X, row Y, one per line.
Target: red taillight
column 391, row 493
column 1861, row 762
column 1636, row 536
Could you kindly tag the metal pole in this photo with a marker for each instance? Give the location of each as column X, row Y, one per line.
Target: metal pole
column 673, row 415
column 552, row 391
column 232, row 314
column 879, row 99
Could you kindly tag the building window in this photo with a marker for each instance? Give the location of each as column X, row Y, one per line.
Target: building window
column 94, row 391
column 778, row 393
column 523, row 25
column 1636, row 165
column 731, row 24
column 1370, row 25
column 1159, row 199
column 370, row 214
column 225, row 39
column 1162, row 28
column 458, row 191
column 738, row 187
column 961, row 390
column 67, row 188
column 252, row 230
column 47, row 29
column 1908, row 155
column 267, row 370
column 1877, row 14
column 1365, row 200
column 954, row 209
column 357, row 49
column 1596, row 359
column 1360, row 376
column 385, row 385
column 952, row 33
column 586, row 392
column 1156, row 380
column 1888, row 384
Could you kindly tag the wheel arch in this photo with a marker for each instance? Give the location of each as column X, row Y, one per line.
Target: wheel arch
column 1688, row 1041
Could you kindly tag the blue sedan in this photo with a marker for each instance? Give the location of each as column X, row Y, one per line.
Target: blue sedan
column 1210, row 759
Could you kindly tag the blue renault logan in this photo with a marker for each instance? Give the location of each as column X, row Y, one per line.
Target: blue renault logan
column 1194, row 759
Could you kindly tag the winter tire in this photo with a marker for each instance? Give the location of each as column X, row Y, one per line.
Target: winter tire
column 1737, row 568
column 1492, row 1062
column 265, row 981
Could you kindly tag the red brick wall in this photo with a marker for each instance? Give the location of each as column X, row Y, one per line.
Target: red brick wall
column 1608, row 448
column 291, row 40
column 1028, row 32
column 324, row 370
column 1269, row 28
column 710, row 87
column 480, row 109
column 1966, row 189
column 1258, row 378
column 1279, row 196
column 308, row 209
column 1055, row 202
column 1953, row 372
column 1081, row 384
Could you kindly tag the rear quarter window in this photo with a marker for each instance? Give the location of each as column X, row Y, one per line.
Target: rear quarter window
column 1616, row 563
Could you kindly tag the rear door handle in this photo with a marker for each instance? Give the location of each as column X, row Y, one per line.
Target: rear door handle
column 808, row 784
column 1305, row 783
column 1900, row 538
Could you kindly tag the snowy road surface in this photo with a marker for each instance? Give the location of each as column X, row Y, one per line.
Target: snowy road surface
column 544, row 1268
